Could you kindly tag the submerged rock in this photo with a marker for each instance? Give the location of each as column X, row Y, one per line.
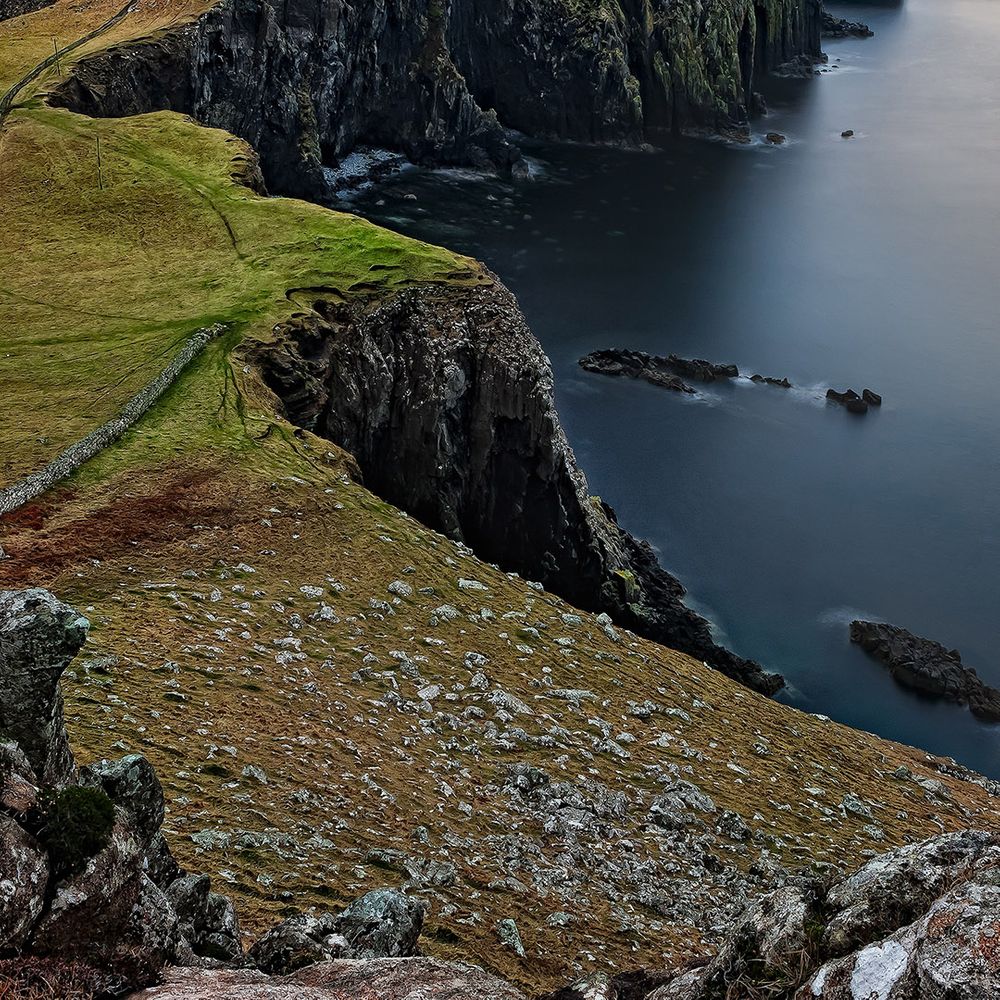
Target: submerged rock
column 928, row 667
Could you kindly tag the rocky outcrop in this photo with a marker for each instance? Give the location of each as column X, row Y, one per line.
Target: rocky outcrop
column 379, row 979
column 76, row 890
column 15, row 8
column 446, row 400
column 383, row 923
column 39, row 636
column 919, row 923
column 840, row 27
column 305, row 83
column 928, row 667
column 621, row 71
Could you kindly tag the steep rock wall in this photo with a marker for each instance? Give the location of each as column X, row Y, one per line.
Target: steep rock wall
column 306, row 81
column 445, row 398
column 623, row 69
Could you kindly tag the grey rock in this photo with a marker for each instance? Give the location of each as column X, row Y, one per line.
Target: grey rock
column 132, row 784
column 383, row 923
column 208, row 920
column 509, row 936
column 24, row 874
column 39, row 636
column 299, row 941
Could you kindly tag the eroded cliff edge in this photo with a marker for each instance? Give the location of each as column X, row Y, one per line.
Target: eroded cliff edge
column 445, row 398
column 306, row 82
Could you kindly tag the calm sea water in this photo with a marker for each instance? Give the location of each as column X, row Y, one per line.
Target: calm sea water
column 873, row 261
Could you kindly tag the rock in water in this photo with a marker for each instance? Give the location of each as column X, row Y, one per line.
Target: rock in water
column 928, row 667
column 848, row 398
column 871, row 398
column 39, row 636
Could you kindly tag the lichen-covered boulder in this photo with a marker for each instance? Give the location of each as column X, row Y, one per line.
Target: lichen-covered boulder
column 24, row 874
column 300, row 940
column 895, row 888
column 953, row 951
column 89, row 908
column 382, row 924
column 39, row 636
column 132, row 784
column 208, row 919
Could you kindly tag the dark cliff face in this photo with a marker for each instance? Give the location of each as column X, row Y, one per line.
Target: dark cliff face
column 445, row 398
column 620, row 71
column 306, row 81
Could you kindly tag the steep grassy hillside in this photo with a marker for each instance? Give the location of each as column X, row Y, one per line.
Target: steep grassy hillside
column 334, row 696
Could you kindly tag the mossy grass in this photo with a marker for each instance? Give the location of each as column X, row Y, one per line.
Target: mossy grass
column 74, row 824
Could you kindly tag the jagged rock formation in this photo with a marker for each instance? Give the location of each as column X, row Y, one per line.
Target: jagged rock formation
column 919, row 923
column 666, row 372
column 445, row 398
column 306, row 82
column 841, row 27
column 76, row 882
column 928, row 667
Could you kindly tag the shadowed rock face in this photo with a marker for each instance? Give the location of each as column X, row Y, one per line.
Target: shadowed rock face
column 445, row 398
column 928, row 667
column 39, row 636
column 306, row 82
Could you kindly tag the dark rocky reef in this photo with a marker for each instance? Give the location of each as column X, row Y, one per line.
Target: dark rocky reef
column 928, row 667
column 840, row 27
column 852, row 402
column 306, row 82
column 445, row 398
column 668, row 372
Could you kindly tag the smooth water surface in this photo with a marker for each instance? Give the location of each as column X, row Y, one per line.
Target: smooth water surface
column 872, row 261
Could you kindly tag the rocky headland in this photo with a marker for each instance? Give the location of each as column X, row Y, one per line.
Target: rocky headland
column 302, row 86
column 928, row 667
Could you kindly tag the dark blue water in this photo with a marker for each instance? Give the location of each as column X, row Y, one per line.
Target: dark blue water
column 873, row 262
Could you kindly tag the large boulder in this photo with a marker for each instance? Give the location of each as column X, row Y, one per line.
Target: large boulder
column 895, row 888
column 24, row 874
column 208, row 919
column 132, row 784
column 39, row 636
column 89, row 907
column 952, row 951
column 378, row 979
column 301, row 940
column 382, row 924
column 919, row 923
